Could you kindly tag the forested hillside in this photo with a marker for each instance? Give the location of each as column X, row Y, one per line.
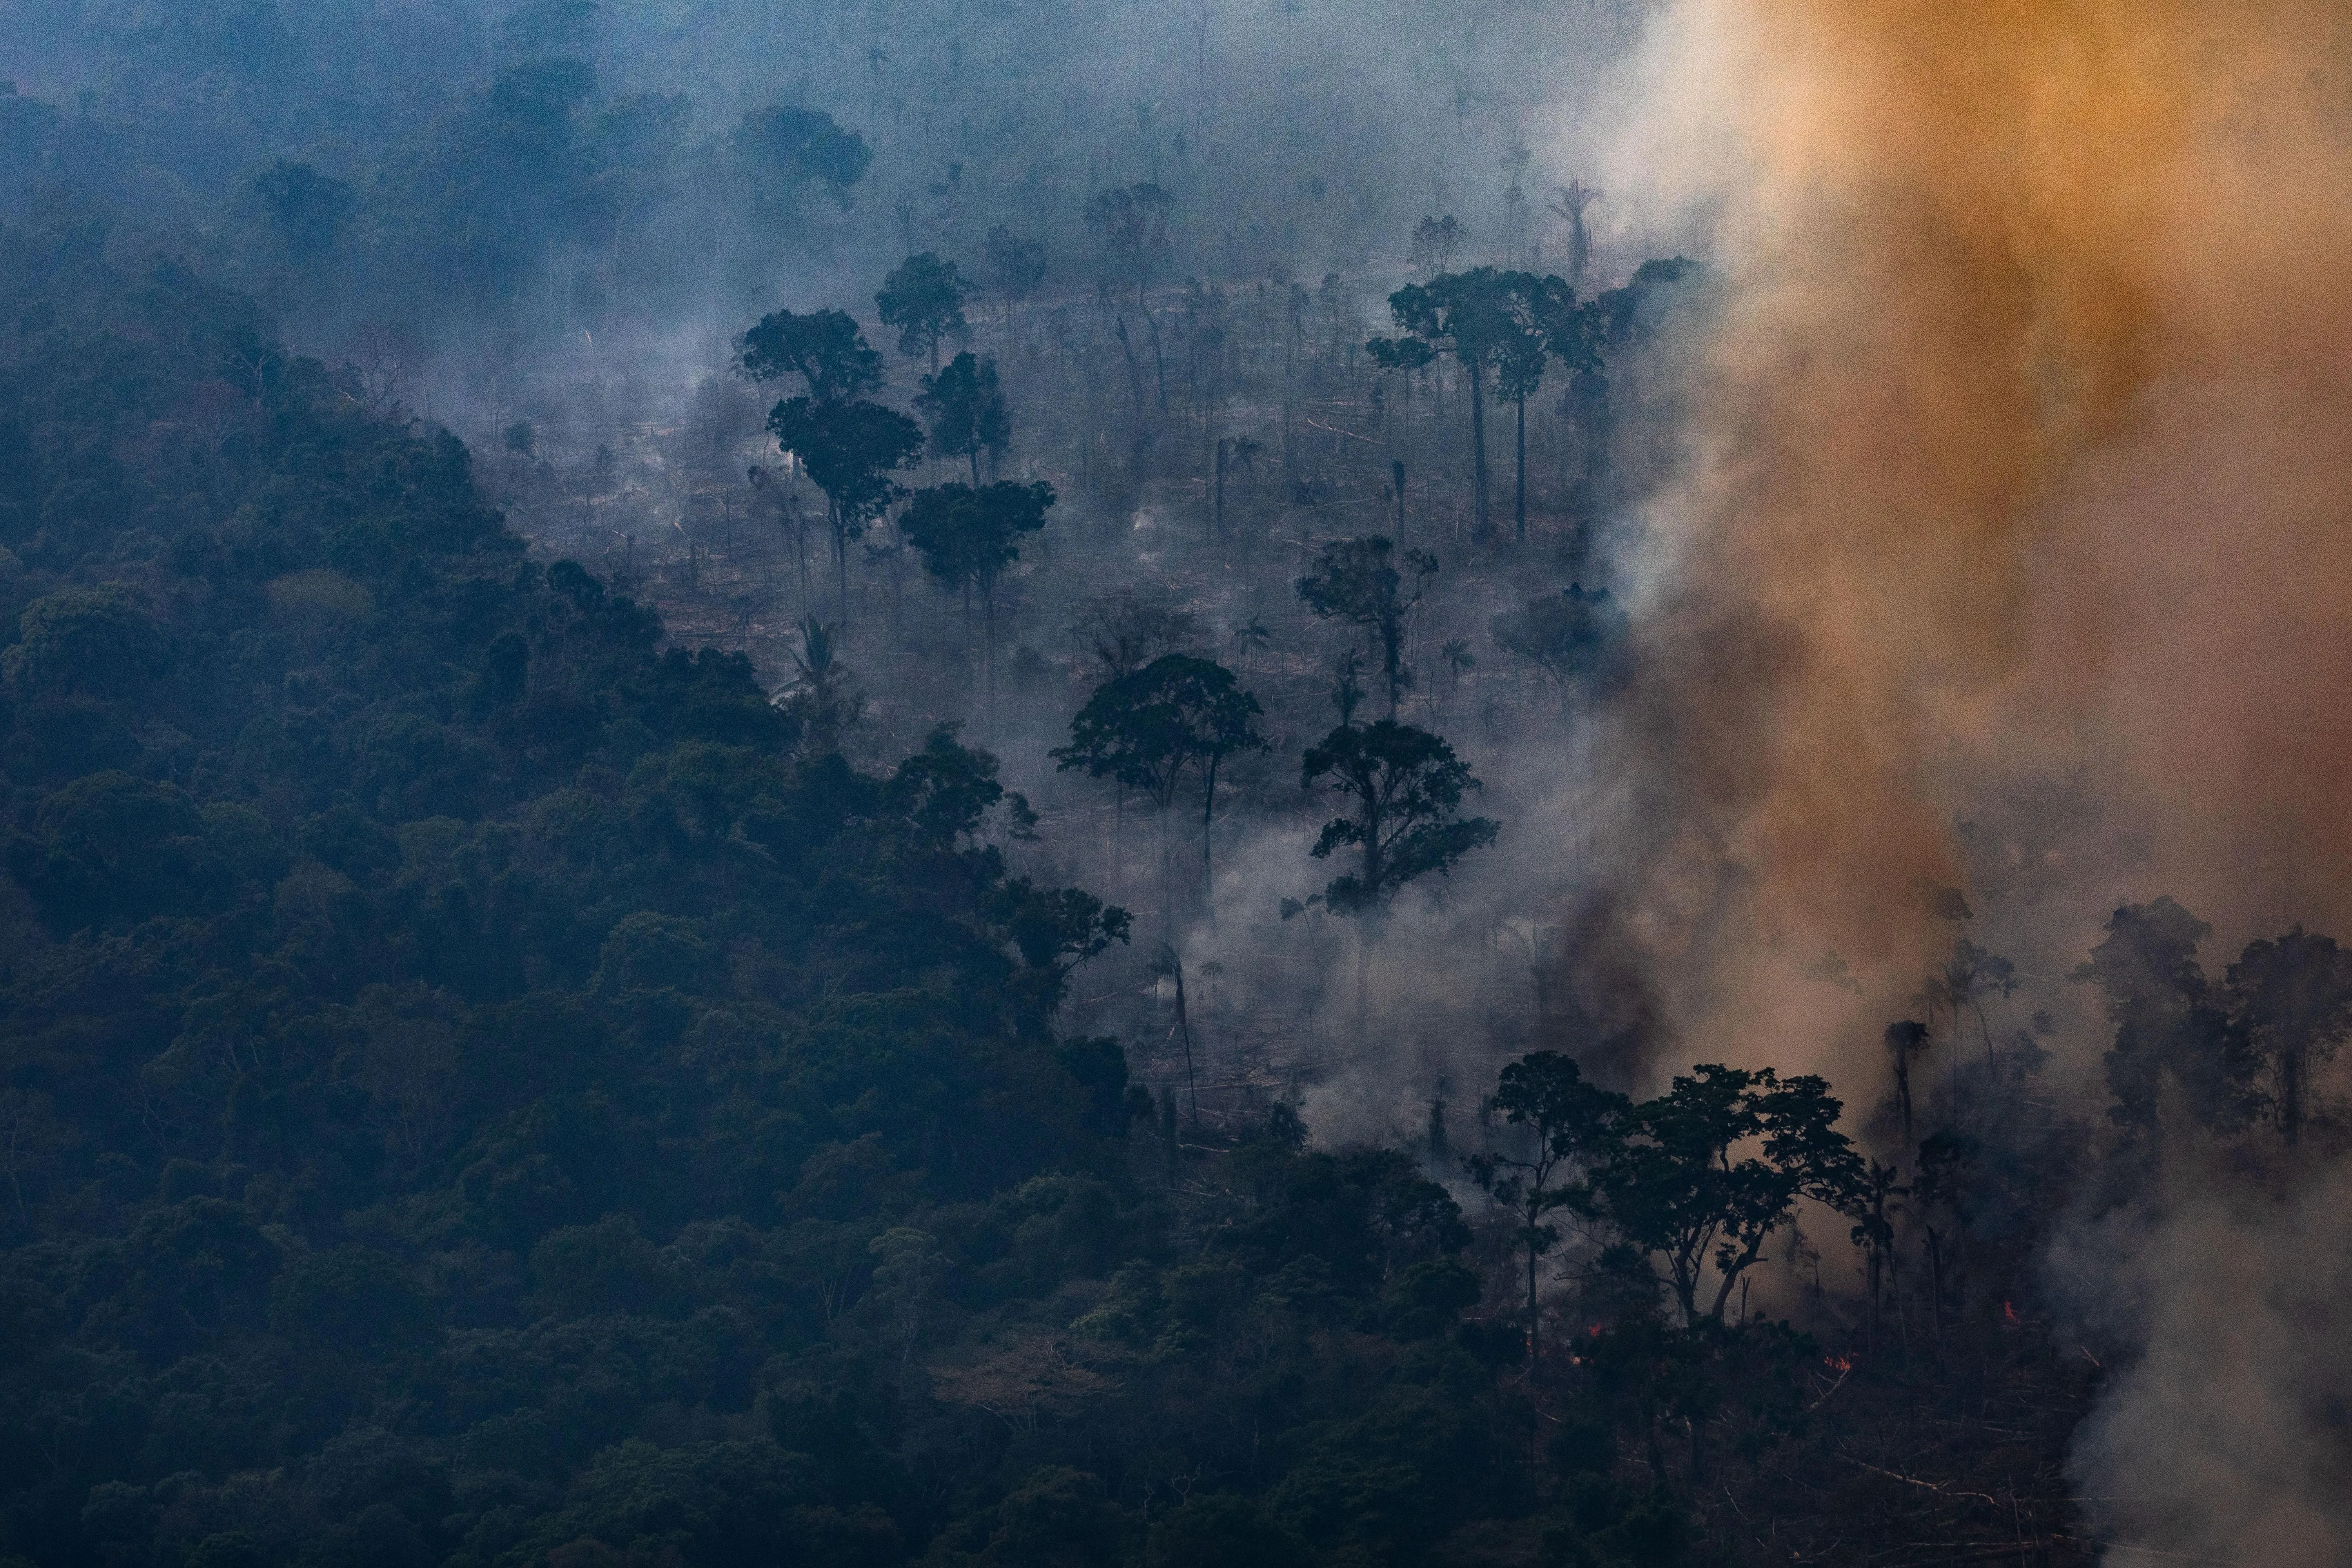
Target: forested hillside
column 481, row 1083
column 485, row 1086
column 1034, row 784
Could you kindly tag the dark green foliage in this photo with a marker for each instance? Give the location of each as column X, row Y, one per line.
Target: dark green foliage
column 966, row 410
column 1574, row 1126
column 1404, row 788
column 1145, row 730
column 823, row 348
column 307, row 209
column 1672, row 1188
column 850, row 448
column 1575, row 636
column 788, row 149
column 2291, row 1006
column 1697, row 1178
column 923, row 298
column 969, row 534
column 451, row 1028
column 850, row 451
column 1357, row 580
column 1504, row 329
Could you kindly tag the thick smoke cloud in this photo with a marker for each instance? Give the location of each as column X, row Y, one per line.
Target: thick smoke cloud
column 2021, row 477
column 2018, row 455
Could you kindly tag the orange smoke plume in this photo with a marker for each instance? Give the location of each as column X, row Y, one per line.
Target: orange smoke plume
column 2025, row 452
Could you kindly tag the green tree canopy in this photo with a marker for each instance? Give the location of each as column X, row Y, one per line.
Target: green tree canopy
column 967, row 411
column 850, row 448
column 1145, row 730
column 793, row 148
column 1572, row 1126
column 1404, row 788
column 923, row 298
column 969, row 534
column 1357, row 580
column 823, row 348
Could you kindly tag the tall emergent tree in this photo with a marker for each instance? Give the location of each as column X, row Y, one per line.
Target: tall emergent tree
column 1144, row 730
column 1503, row 328
column 1131, row 223
column 850, row 449
column 968, row 534
column 1404, row 788
column 823, row 348
column 1550, row 325
column 1575, row 1125
column 786, row 149
column 1574, row 636
column 1016, row 266
column 966, row 410
column 2290, row 999
column 1354, row 581
column 1465, row 314
column 1672, row 1188
column 923, row 298
column 2170, row 1028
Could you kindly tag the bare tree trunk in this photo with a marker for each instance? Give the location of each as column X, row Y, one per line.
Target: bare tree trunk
column 1481, row 522
column 1159, row 364
column 1134, row 372
column 1520, row 500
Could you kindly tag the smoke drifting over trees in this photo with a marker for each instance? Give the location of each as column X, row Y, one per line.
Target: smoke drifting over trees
column 811, row 784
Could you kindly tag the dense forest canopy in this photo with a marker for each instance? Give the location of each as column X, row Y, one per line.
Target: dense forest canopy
column 923, row 782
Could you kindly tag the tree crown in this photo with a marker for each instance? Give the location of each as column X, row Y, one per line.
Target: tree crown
column 823, row 348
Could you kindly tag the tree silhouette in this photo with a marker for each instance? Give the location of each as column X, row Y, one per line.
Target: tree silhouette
column 790, row 148
column 968, row 534
column 2168, row 1025
column 1147, row 729
column 2290, row 1000
column 1353, row 580
column 923, row 298
column 1906, row 1041
column 1435, row 241
column 1575, row 1126
column 1123, row 631
column 1503, row 328
column 1550, row 325
column 1673, row 1189
column 1574, row 636
column 1131, row 223
column 966, row 410
column 1574, row 197
column 1465, row 314
column 823, row 348
column 307, row 209
column 1015, row 266
column 820, row 695
column 850, row 449
column 1405, row 788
